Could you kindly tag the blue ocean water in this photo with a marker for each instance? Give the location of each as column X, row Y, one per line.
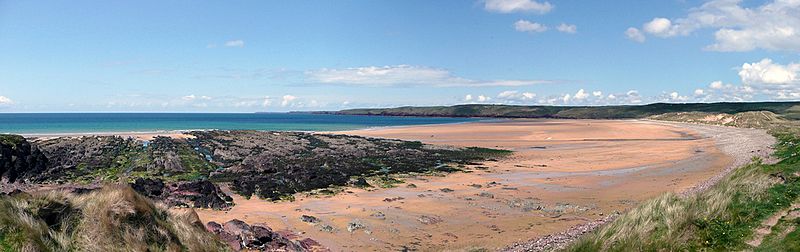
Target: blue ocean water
column 64, row 123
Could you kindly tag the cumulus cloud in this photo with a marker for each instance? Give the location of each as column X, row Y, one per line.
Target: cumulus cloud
column 774, row 25
column 405, row 75
column 581, row 94
column 699, row 92
column 675, row 97
column 234, row 43
column 659, row 27
column 5, row 101
column 482, row 98
column 767, row 72
column 509, row 6
column 769, row 78
column 635, row 35
column 717, row 85
column 288, row 100
column 514, row 96
column 528, row 26
column 567, row 28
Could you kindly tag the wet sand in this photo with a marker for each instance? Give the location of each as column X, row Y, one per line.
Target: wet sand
column 562, row 173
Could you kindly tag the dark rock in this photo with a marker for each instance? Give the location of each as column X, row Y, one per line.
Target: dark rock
column 241, row 236
column 236, row 227
column 310, row 244
column 152, row 188
column 19, row 160
column 203, row 194
column 199, row 194
column 213, row 227
column 309, row 219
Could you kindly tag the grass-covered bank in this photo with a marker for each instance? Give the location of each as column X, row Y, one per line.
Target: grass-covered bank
column 724, row 217
column 111, row 219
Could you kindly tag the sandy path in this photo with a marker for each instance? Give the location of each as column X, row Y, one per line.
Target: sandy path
column 563, row 173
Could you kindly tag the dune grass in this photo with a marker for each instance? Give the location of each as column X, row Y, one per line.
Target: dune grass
column 721, row 218
column 112, row 219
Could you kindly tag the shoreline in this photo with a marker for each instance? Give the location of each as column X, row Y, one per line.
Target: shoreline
column 577, row 173
column 183, row 131
column 725, row 143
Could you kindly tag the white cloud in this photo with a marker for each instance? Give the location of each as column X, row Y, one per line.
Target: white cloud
column 766, row 72
column 566, row 98
column 234, row 43
column 674, row 96
column 5, row 101
column 405, row 75
column 194, row 97
column 611, row 97
column 267, row 102
column 508, row 6
column 581, row 94
column 567, row 28
column 658, row 27
column 699, row 91
column 288, row 100
column 468, row 97
column 482, row 98
column 716, row 85
column 597, row 93
column 513, row 96
column 528, row 95
column 774, row 25
column 528, row 26
column 635, row 35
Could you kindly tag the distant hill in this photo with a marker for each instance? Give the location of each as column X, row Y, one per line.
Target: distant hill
column 788, row 110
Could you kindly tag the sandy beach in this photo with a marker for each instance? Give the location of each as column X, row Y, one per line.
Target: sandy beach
column 562, row 173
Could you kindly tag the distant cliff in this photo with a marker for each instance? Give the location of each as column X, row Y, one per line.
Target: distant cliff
column 789, row 110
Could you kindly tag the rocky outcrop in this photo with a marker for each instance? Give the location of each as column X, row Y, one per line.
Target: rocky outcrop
column 276, row 164
column 199, row 194
column 241, row 236
column 19, row 160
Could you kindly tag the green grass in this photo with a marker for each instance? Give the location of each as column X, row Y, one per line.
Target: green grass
column 11, row 140
column 114, row 218
column 722, row 218
column 777, row 242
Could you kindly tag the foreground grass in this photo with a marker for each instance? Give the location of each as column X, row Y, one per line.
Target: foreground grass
column 721, row 218
column 112, row 219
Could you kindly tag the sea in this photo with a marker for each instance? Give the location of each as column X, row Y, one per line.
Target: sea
column 77, row 123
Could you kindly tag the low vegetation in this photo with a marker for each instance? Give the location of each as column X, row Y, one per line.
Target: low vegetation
column 723, row 218
column 114, row 218
column 789, row 110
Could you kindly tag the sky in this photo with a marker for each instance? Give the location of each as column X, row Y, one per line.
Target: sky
column 275, row 56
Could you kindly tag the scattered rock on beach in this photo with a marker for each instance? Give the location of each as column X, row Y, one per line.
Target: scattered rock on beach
column 429, row 220
column 242, row 236
column 309, row 219
column 354, row 225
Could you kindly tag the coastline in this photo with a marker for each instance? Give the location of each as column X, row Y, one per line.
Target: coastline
column 179, row 132
column 564, row 173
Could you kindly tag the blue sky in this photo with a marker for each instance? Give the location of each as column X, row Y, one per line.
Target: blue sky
column 245, row 56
